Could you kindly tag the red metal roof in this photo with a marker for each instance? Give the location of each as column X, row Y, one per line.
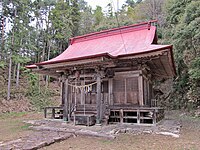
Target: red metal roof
column 117, row 42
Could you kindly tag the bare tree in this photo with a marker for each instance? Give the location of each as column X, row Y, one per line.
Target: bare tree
column 10, row 60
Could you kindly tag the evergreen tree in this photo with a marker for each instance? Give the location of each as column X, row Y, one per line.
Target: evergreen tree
column 75, row 16
column 183, row 30
column 62, row 24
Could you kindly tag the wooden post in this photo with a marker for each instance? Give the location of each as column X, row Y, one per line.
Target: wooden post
column 148, row 94
column 141, row 90
column 121, row 115
column 154, row 117
column 98, row 100
column 63, row 92
column 53, row 113
column 102, row 106
column 125, row 91
column 45, row 112
column 138, row 116
column 66, row 103
column 110, row 91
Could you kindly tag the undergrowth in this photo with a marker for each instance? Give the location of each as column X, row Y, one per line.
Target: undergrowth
column 39, row 96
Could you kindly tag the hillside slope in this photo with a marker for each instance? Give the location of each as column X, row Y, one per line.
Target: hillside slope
column 20, row 99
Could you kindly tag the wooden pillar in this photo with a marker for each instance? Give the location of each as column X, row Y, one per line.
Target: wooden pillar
column 98, row 100
column 154, row 117
column 121, row 115
column 66, row 103
column 125, row 91
column 53, row 113
column 45, row 112
column 148, row 94
column 62, row 92
column 110, row 91
column 138, row 116
column 141, row 90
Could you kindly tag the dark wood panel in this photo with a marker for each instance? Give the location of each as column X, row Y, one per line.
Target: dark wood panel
column 132, row 97
column 119, row 97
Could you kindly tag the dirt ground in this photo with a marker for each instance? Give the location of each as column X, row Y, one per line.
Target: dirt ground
column 12, row 127
column 130, row 142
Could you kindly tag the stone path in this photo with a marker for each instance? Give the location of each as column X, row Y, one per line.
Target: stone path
column 50, row 131
column 35, row 141
column 166, row 127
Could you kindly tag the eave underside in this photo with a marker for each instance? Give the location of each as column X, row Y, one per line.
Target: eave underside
column 159, row 64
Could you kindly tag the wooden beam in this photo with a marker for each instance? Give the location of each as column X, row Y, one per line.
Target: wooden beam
column 145, row 56
column 84, row 75
column 74, row 63
column 120, row 69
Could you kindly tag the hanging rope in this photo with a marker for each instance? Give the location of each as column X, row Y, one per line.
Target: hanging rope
column 86, row 88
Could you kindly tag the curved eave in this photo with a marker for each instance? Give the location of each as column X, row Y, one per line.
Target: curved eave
column 34, row 66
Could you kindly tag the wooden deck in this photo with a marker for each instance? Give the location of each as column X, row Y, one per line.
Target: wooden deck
column 115, row 114
column 135, row 115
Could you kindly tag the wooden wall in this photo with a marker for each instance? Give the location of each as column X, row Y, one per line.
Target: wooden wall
column 127, row 88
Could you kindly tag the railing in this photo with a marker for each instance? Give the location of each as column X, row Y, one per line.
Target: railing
column 54, row 112
column 136, row 115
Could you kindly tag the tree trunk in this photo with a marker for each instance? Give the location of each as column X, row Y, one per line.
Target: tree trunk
column 10, row 62
column 9, row 77
column 17, row 78
column 14, row 71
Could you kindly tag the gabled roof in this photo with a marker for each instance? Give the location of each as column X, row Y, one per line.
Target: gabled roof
column 114, row 43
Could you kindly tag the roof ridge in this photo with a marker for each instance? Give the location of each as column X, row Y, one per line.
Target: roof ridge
column 112, row 31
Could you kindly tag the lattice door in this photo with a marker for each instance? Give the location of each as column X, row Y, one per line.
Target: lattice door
column 125, row 90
